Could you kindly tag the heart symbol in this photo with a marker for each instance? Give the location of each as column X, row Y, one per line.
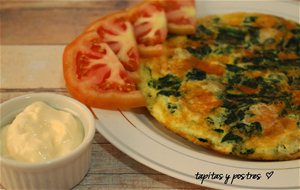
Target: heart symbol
column 269, row 174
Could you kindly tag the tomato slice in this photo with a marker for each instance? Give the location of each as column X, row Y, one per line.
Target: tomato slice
column 95, row 76
column 150, row 27
column 181, row 16
column 116, row 30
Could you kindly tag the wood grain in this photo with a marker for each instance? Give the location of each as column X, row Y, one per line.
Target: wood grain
column 51, row 22
column 35, row 31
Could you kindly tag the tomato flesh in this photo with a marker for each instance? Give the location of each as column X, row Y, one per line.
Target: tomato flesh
column 95, row 76
column 117, row 32
column 150, row 24
column 181, row 16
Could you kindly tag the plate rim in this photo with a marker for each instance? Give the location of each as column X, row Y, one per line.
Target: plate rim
column 104, row 127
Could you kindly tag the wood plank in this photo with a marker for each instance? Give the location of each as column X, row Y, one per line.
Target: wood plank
column 7, row 94
column 65, row 4
column 52, row 26
column 111, row 169
column 99, row 139
column 51, row 22
column 107, row 159
column 133, row 181
column 41, row 67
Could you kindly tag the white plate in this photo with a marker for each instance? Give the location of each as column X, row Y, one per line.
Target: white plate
column 138, row 135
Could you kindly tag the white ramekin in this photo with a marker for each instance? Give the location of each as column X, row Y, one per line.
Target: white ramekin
column 61, row 173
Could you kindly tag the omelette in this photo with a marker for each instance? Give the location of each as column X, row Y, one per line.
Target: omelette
column 232, row 87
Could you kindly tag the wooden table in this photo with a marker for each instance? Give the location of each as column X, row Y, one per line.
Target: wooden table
column 33, row 35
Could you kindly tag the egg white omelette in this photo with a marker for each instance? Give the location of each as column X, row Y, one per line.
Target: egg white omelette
column 233, row 87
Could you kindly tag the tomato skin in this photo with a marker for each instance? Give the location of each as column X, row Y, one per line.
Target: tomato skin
column 116, row 30
column 109, row 100
column 85, row 87
column 150, row 27
column 181, row 16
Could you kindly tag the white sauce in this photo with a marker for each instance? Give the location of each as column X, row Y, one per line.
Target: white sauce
column 40, row 133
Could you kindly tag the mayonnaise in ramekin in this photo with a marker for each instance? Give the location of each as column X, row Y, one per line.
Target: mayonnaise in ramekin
column 40, row 133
